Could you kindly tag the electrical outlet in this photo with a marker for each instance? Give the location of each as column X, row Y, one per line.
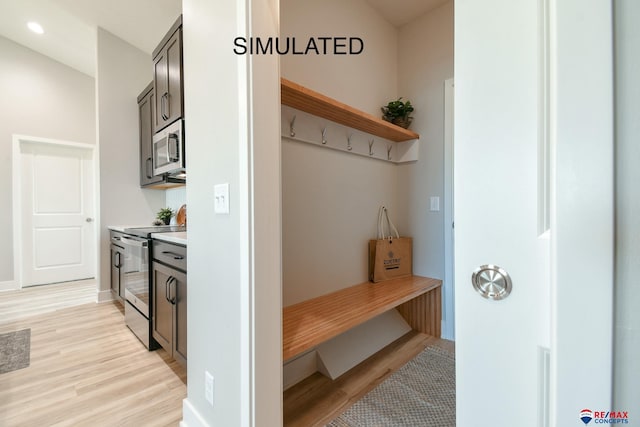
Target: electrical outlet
column 208, row 387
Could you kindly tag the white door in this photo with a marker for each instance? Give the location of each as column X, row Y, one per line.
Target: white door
column 57, row 193
column 533, row 196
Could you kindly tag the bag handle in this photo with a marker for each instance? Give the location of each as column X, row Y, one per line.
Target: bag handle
column 382, row 215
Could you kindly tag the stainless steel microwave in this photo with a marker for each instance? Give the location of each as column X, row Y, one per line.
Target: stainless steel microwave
column 168, row 149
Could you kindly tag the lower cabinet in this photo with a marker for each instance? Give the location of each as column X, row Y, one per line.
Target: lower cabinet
column 117, row 260
column 169, row 311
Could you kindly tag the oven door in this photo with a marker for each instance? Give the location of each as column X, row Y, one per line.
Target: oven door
column 135, row 272
column 168, row 150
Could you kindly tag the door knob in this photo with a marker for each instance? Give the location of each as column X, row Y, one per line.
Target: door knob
column 89, row 220
column 491, row 282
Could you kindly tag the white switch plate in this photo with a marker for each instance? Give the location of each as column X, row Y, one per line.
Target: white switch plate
column 221, row 201
column 208, row 387
column 434, row 204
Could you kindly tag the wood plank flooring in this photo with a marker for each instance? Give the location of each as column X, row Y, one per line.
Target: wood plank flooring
column 317, row 400
column 88, row 369
column 35, row 300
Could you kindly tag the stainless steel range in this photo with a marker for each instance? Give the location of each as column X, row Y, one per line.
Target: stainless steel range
column 136, row 277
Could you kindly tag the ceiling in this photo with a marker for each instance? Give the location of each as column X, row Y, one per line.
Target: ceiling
column 70, row 25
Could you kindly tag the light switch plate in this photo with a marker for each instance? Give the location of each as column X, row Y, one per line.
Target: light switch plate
column 434, row 204
column 221, row 201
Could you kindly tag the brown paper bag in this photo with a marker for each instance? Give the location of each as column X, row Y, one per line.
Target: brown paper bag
column 390, row 257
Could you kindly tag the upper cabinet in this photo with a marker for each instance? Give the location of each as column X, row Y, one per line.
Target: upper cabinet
column 146, row 111
column 167, row 78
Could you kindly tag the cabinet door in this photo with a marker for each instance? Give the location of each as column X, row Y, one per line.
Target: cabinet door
column 161, row 91
column 180, row 311
column 146, row 109
column 174, row 76
column 116, row 262
column 162, row 309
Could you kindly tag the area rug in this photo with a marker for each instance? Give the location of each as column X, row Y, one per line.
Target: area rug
column 421, row 393
column 15, row 350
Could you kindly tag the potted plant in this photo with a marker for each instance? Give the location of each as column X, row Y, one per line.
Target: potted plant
column 397, row 112
column 165, row 215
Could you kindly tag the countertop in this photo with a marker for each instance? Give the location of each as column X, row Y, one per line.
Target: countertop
column 121, row 228
column 178, row 237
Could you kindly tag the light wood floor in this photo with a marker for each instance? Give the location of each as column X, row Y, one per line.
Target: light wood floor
column 317, row 400
column 35, row 300
column 88, row 369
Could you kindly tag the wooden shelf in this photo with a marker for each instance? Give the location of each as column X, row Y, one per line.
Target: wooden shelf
column 307, row 100
column 311, row 322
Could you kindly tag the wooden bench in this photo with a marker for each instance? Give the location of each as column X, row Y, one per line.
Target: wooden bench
column 310, row 323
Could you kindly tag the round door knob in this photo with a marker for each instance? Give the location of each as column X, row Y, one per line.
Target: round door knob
column 491, row 282
column 89, row 220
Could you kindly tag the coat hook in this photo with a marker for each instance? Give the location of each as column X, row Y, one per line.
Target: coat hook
column 349, row 147
column 389, row 147
column 324, row 135
column 292, row 130
column 371, row 147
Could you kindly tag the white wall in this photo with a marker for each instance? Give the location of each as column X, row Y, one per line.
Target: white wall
column 331, row 199
column 425, row 62
column 43, row 98
column 174, row 199
column 364, row 81
column 626, row 392
column 123, row 71
column 234, row 279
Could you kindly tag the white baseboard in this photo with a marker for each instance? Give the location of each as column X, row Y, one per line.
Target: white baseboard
column 191, row 417
column 447, row 331
column 9, row 285
column 104, row 296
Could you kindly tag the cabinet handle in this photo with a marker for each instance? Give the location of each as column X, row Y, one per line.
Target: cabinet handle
column 164, row 106
column 168, row 109
column 173, row 254
column 172, row 297
column 148, row 163
column 117, row 264
column 166, row 288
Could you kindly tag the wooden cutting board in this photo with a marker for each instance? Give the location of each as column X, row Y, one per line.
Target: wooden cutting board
column 181, row 216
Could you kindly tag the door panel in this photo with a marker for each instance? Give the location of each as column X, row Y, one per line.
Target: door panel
column 520, row 96
column 180, row 341
column 160, row 90
column 174, row 64
column 162, row 316
column 57, row 204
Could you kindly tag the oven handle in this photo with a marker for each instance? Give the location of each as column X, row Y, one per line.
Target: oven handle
column 134, row 242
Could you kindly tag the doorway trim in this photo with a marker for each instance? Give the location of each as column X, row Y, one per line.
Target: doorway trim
column 16, row 188
column 448, row 297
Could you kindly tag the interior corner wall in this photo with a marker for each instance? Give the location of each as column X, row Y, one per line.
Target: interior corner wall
column 40, row 97
column 123, row 71
column 330, row 199
column 425, row 62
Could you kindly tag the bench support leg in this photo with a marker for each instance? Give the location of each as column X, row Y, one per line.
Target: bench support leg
column 423, row 313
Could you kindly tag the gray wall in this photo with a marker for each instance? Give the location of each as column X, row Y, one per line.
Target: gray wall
column 330, row 199
column 123, row 72
column 42, row 98
column 426, row 61
column 627, row 292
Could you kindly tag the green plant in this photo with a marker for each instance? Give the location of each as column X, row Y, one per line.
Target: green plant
column 397, row 111
column 165, row 215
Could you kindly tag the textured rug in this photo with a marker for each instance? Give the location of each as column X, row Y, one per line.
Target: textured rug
column 421, row 393
column 15, row 350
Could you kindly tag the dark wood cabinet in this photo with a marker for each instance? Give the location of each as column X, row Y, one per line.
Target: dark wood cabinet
column 117, row 261
column 146, row 113
column 167, row 78
column 169, row 311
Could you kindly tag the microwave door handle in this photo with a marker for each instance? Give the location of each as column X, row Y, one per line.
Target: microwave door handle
column 173, row 156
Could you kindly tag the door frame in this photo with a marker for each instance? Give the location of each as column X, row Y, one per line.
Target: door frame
column 16, row 188
column 448, row 296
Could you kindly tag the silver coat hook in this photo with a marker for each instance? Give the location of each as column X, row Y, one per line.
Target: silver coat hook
column 292, row 130
column 389, row 147
column 324, row 135
column 349, row 147
column 371, row 147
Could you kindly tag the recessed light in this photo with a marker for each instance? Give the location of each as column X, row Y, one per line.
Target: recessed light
column 35, row 27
